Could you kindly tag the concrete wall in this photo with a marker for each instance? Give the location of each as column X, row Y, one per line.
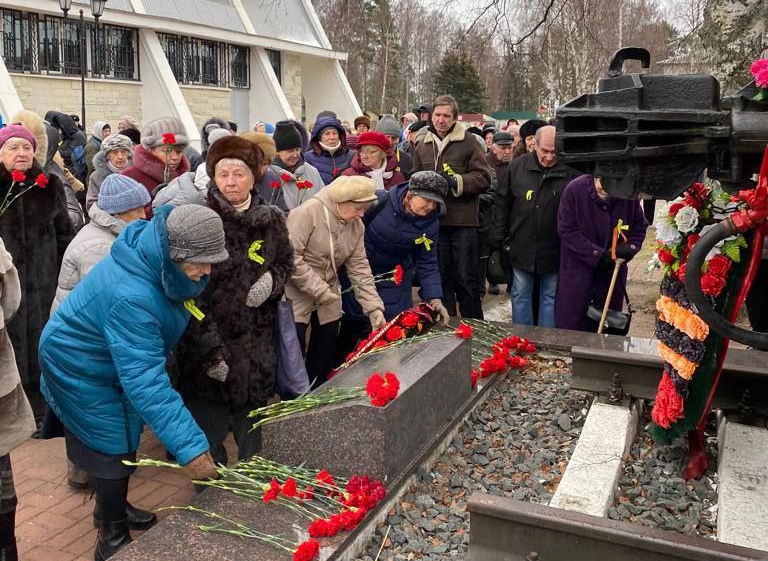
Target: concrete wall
column 292, row 82
column 206, row 102
column 325, row 87
column 105, row 100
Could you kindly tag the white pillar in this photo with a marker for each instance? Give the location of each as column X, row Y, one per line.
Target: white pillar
column 161, row 94
column 10, row 103
column 267, row 99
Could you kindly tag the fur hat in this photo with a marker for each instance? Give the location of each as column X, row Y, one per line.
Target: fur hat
column 429, row 185
column 239, row 148
column 119, row 193
column 286, row 136
column 410, row 117
column 133, row 134
column 263, row 141
column 363, row 120
column 33, row 123
column 127, row 122
column 116, row 141
column 196, row 234
column 375, row 138
column 354, row 188
column 389, row 126
column 530, row 127
column 152, row 135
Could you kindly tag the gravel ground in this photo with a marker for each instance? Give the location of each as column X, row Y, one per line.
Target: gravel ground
column 652, row 491
column 516, row 444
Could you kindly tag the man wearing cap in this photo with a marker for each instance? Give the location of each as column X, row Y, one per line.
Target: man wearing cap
column 160, row 157
column 450, row 151
column 424, row 112
column 36, row 230
column 116, row 155
column 291, row 169
column 103, row 356
column 388, row 125
column 525, row 227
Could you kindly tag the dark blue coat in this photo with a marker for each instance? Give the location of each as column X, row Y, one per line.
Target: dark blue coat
column 329, row 165
column 103, row 352
column 390, row 240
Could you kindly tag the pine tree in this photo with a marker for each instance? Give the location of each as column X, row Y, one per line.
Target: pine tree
column 456, row 76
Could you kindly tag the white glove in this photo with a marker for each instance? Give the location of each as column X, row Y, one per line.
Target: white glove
column 437, row 304
column 377, row 319
column 218, row 371
column 260, row 291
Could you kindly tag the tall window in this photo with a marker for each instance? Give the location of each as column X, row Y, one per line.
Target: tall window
column 41, row 44
column 276, row 60
column 207, row 63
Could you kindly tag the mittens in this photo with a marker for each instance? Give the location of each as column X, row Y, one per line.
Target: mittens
column 260, row 291
column 218, row 371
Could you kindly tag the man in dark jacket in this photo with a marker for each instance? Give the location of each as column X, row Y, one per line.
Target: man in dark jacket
column 448, row 150
column 525, row 221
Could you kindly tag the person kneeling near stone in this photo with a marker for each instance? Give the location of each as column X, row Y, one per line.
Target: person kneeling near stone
column 327, row 233
column 103, row 357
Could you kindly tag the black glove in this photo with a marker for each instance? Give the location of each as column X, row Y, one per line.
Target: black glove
column 625, row 251
column 606, row 262
column 453, row 183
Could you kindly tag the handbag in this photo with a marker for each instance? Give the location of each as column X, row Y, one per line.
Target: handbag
column 291, row 379
column 616, row 323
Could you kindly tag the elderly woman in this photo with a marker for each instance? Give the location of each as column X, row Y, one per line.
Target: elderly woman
column 116, row 156
column 103, row 355
column 227, row 361
column 327, row 233
column 372, row 160
column 328, row 151
column 17, row 422
column 36, row 229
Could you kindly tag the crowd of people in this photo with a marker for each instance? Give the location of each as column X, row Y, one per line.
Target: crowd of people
column 140, row 280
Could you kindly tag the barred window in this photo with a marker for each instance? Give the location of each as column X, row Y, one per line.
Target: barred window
column 41, row 44
column 276, row 60
column 196, row 61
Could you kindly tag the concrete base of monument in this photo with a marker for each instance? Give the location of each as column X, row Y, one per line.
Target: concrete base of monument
column 390, row 443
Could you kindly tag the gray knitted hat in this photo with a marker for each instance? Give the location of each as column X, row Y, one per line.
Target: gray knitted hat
column 389, row 126
column 429, row 185
column 116, row 142
column 120, row 193
column 152, row 134
column 196, row 235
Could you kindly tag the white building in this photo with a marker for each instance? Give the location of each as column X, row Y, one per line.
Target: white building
column 243, row 60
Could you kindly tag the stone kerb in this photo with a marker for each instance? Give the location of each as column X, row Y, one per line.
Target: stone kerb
column 356, row 437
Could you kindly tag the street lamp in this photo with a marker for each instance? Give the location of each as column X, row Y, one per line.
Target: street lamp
column 97, row 9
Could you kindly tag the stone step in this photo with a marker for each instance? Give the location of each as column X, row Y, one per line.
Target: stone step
column 589, row 482
column 742, row 509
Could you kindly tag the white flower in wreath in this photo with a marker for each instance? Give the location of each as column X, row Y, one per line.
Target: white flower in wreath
column 666, row 233
column 687, row 219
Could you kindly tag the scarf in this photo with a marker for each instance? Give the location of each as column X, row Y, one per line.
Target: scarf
column 330, row 149
column 379, row 175
column 113, row 169
column 245, row 205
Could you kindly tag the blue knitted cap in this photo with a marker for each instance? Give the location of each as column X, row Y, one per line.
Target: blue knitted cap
column 120, row 193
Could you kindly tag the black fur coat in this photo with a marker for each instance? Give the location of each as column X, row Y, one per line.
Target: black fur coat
column 36, row 230
column 244, row 337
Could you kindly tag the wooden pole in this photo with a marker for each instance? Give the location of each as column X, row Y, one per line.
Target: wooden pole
column 617, row 267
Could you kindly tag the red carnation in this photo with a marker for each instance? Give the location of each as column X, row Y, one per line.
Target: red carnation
column 273, row 492
column 394, row 333
column 529, row 348
column 475, row 377
column 665, row 256
column 382, row 390
column 289, row 487
column 463, row 331
column 669, row 405
column 681, row 273
column 336, row 171
column 719, row 266
column 304, row 184
column 169, row 138
column 692, row 239
column 325, row 478
column 511, row 342
column 409, row 320
column 41, row 181
column 675, row 208
column 276, row 184
column 307, row 494
column 321, row 528
column 285, row 177
column 17, row 176
column 397, row 276
column 307, row 550
column 379, row 344
column 712, row 285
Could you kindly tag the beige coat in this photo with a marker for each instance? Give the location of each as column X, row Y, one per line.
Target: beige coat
column 16, row 420
column 315, row 227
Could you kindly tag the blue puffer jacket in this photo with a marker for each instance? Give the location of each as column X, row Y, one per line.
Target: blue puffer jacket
column 329, row 165
column 390, row 239
column 103, row 353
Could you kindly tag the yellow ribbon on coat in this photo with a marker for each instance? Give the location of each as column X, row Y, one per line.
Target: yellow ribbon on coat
column 424, row 240
column 447, row 169
column 192, row 308
column 252, row 252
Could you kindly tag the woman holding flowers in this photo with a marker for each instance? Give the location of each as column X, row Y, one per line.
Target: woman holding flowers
column 327, row 232
column 227, row 360
column 36, row 229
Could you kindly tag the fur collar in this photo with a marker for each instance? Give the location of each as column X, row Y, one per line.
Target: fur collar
column 257, row 213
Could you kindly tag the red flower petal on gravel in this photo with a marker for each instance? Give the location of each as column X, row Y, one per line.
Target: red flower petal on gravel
column 464, row 331
column 306, row 551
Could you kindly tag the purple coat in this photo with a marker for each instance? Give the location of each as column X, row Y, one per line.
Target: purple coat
column 585, row 224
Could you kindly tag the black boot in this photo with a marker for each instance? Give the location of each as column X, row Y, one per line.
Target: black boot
column 8, row 550
column 138, row 519
column 112, row 537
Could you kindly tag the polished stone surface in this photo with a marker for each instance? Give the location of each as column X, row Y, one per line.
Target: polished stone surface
column 356, row 437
